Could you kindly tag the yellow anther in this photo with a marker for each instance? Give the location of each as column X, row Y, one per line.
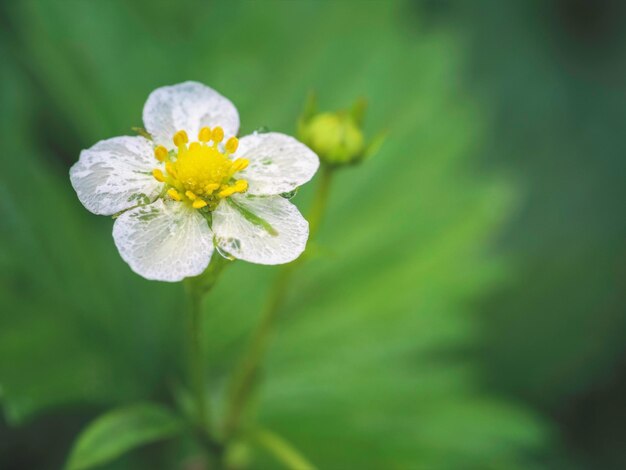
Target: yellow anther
column 209, row 188
column 194, row 146
column 217, row 134
column 158, row 175
column 191, row 195
column 180, row 138
column 205, row 134
column 174, row 194
column 160, row 153
column 240, row 164
column 228, row 191
column 170, row 169
column 198, row 204
column 241, row 186
column 232, row 144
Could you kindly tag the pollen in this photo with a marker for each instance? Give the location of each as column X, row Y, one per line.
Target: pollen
column 201, row 173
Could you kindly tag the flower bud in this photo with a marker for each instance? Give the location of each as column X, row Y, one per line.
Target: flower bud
column 336, row 137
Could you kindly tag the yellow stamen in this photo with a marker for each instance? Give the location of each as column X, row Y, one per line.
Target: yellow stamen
column 158, row 175
column 174, row 194
column 169, row 167
column 218, row 134
column 209, row 188
column 194, row 146
column 199, row 174
column 232, row 144
column 229, row 191
column 241, row 186
column 205, row 134
column 240, row 164
column 160, row 153
column 180, row 138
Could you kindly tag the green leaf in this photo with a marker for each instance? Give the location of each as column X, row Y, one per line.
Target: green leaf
column 282, row 451
column 310, row 106
column 120, row 431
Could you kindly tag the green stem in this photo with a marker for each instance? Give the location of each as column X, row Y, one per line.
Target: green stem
column 197, row 287
column 244, row 377
column 196, row 358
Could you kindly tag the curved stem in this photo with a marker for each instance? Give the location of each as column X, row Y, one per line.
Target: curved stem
column 244, row 377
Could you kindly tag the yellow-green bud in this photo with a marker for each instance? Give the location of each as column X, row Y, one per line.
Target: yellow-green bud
column 335, row 137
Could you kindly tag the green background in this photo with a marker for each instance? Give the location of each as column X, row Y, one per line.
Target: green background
column 466, row 305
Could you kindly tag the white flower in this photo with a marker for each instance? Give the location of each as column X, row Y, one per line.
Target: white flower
column 178, row 200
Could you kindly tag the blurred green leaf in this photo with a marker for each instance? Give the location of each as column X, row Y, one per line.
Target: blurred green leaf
column 374, row 145
column 310, row 107
column 284, row 452
column 357, row 111
column 120, row 431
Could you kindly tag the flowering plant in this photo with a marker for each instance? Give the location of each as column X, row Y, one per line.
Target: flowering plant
column 187, row 194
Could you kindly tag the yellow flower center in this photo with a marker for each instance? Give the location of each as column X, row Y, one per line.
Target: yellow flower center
column 201, row 174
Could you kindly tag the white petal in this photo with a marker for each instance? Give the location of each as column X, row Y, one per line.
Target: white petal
column 164, row 241
column 237, row 235
column 278, row 163
column 115, row 174
column 188, row 106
